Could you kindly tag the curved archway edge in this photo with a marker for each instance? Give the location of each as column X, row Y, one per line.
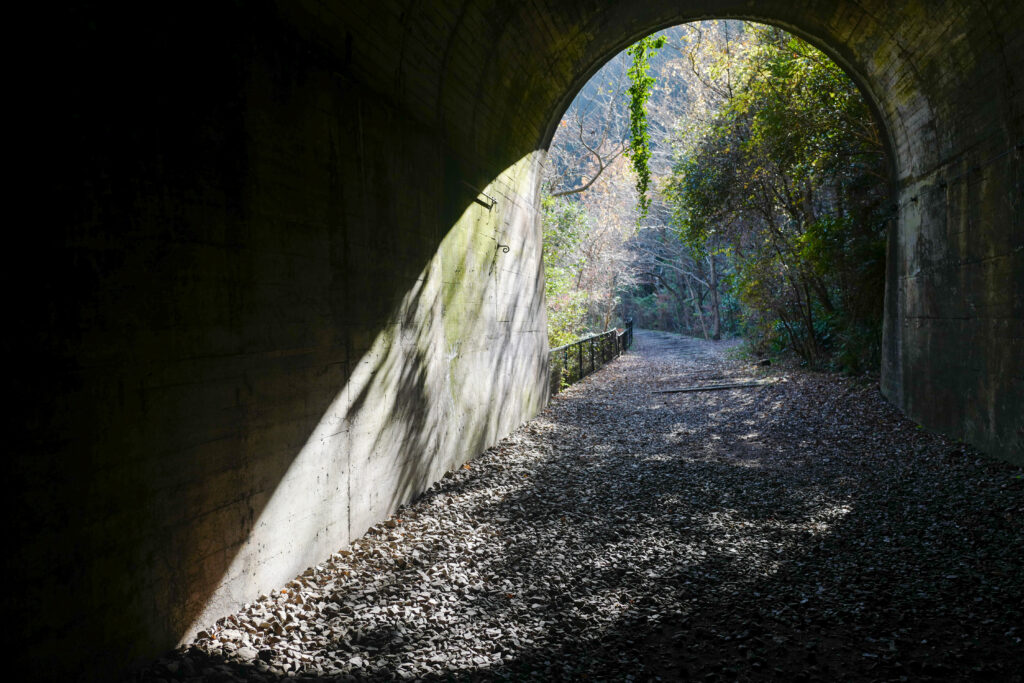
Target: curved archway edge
column 922, row 68
column 273, row 306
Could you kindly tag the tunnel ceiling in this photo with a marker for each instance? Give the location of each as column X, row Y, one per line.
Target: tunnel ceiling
column 497, row 76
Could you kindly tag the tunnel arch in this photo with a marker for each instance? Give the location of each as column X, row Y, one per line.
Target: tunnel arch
column 270, row 306
column 944, row 82
column 888, row 187
column 825, row 48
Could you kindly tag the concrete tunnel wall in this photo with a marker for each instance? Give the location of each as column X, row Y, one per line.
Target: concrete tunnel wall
column 270, row 304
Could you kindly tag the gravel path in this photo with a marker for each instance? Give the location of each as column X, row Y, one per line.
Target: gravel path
column 801, row 530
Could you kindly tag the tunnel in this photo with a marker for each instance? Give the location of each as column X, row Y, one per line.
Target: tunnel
column 289, row 274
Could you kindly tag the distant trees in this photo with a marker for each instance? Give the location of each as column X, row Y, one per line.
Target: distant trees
column 565, row 226
column 788, row 180
column 591, row 136
column 685, row 286
column 768, row 186
column 586, row 262
column 588, row 209
column 682, row 289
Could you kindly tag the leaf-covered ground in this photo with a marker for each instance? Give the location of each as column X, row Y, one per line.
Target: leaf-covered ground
column 801, row 530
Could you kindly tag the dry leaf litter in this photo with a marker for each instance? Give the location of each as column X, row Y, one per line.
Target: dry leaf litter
column 800, row 530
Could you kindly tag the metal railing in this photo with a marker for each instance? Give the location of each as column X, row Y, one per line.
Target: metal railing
column 574, row 361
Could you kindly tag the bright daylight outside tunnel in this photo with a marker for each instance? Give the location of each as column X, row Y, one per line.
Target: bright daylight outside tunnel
column 465, row 340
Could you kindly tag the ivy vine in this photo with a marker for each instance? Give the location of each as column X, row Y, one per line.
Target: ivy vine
column 639, row 148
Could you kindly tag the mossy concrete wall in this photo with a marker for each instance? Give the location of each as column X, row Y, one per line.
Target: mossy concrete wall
column 269, row 299
column 273, row 307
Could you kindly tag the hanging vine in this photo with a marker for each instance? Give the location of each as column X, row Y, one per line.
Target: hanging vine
column 639, row 148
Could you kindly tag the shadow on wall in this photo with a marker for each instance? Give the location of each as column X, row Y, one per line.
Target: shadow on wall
column 456, row 369
column 724, row 558
column 255, row 330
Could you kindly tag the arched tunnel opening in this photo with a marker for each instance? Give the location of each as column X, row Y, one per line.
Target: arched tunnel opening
column 768, row 203
column 272, row 303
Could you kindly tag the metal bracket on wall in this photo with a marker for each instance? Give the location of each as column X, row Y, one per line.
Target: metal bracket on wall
column 494, row 202
column 498, row 245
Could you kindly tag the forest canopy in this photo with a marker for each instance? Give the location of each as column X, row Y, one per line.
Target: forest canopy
column 768, row 210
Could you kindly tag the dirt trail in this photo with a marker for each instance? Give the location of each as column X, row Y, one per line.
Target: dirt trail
column 798, row 531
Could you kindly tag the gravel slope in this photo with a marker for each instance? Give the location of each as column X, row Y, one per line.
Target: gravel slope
column 801, row 530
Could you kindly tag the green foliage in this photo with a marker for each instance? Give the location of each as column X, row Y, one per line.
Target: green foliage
column 565, row 226
column 789, row 175
column 639, row 149
column 567, row 312
column 655, row 311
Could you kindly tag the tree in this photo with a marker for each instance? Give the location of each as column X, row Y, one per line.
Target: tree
column 591, row 135
column 786, row 176
column 565, row 227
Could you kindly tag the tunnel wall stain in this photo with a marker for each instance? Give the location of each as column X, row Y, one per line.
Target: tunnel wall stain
column 266, row 304
column 278, row 311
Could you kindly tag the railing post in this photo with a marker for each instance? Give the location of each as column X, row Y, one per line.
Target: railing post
column 579, row 355
column 609, row 345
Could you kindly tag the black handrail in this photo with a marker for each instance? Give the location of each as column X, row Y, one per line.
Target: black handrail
column 568, row 363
